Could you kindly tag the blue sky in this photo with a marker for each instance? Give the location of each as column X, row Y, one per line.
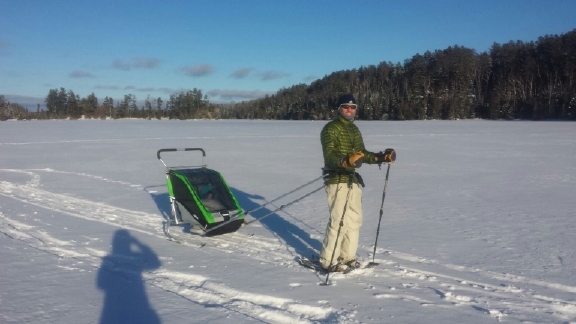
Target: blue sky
column 239, row 50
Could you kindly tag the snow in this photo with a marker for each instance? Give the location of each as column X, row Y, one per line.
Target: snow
column 477, row 227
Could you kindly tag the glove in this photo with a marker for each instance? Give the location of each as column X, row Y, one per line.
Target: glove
column 355, row 160
column 388, row 156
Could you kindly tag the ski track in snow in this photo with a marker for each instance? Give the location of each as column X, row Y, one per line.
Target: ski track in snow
column 498, row 295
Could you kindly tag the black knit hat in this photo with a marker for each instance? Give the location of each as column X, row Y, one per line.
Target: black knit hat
column 346, row 99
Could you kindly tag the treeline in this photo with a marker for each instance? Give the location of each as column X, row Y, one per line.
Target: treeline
column 516, row 80
column 524, row 80
column 9, row 110
column 65, row 104
column 61, row 103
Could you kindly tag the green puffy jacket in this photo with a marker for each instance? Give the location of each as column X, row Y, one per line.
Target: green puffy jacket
column 341, row 138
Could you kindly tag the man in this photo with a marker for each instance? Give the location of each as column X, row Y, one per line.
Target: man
column 344, row 152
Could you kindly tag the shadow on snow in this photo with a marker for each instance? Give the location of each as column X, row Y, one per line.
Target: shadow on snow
column 120, row 277
column 294, row 236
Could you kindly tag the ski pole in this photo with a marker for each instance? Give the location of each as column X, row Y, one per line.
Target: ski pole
column 373, row 264
column 339, row 227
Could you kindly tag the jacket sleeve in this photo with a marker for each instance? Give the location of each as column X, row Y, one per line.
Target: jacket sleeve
column 330, row 142
column 369, row 157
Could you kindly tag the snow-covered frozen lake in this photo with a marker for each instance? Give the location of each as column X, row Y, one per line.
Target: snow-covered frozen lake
column 478, row 225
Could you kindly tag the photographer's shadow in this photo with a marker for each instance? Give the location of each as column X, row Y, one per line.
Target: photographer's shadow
column 120, row 277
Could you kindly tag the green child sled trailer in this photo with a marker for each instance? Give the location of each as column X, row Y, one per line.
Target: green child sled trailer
column 200, row 197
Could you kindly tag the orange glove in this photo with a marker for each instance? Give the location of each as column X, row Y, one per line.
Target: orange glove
column 355, row 160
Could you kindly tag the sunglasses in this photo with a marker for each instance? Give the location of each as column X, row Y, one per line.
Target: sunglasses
column 347, row 106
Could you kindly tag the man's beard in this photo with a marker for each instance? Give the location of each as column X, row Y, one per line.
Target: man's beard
column 351, row 118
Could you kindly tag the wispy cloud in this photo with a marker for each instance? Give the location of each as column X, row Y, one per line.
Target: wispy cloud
column 121, row 65
column 80, row 74
column 166, row 90
column 146, row 62
column 136, row 63
column 265, row 76
column 107, row 87
column 238, row 94
column 310, row 78
column 197, row 70
column 272, row 75
column 139, row 89
column 145, row 89
column 241, row 73
column 171, row 91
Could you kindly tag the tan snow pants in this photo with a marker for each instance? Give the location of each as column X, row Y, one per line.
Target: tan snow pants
column 349, row 234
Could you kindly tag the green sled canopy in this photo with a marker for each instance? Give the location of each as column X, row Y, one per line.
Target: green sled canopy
column 202, row 194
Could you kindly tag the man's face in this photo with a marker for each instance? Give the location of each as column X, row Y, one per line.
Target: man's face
column 348, row 111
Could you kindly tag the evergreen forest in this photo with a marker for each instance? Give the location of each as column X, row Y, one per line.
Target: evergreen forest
column 533, row 80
